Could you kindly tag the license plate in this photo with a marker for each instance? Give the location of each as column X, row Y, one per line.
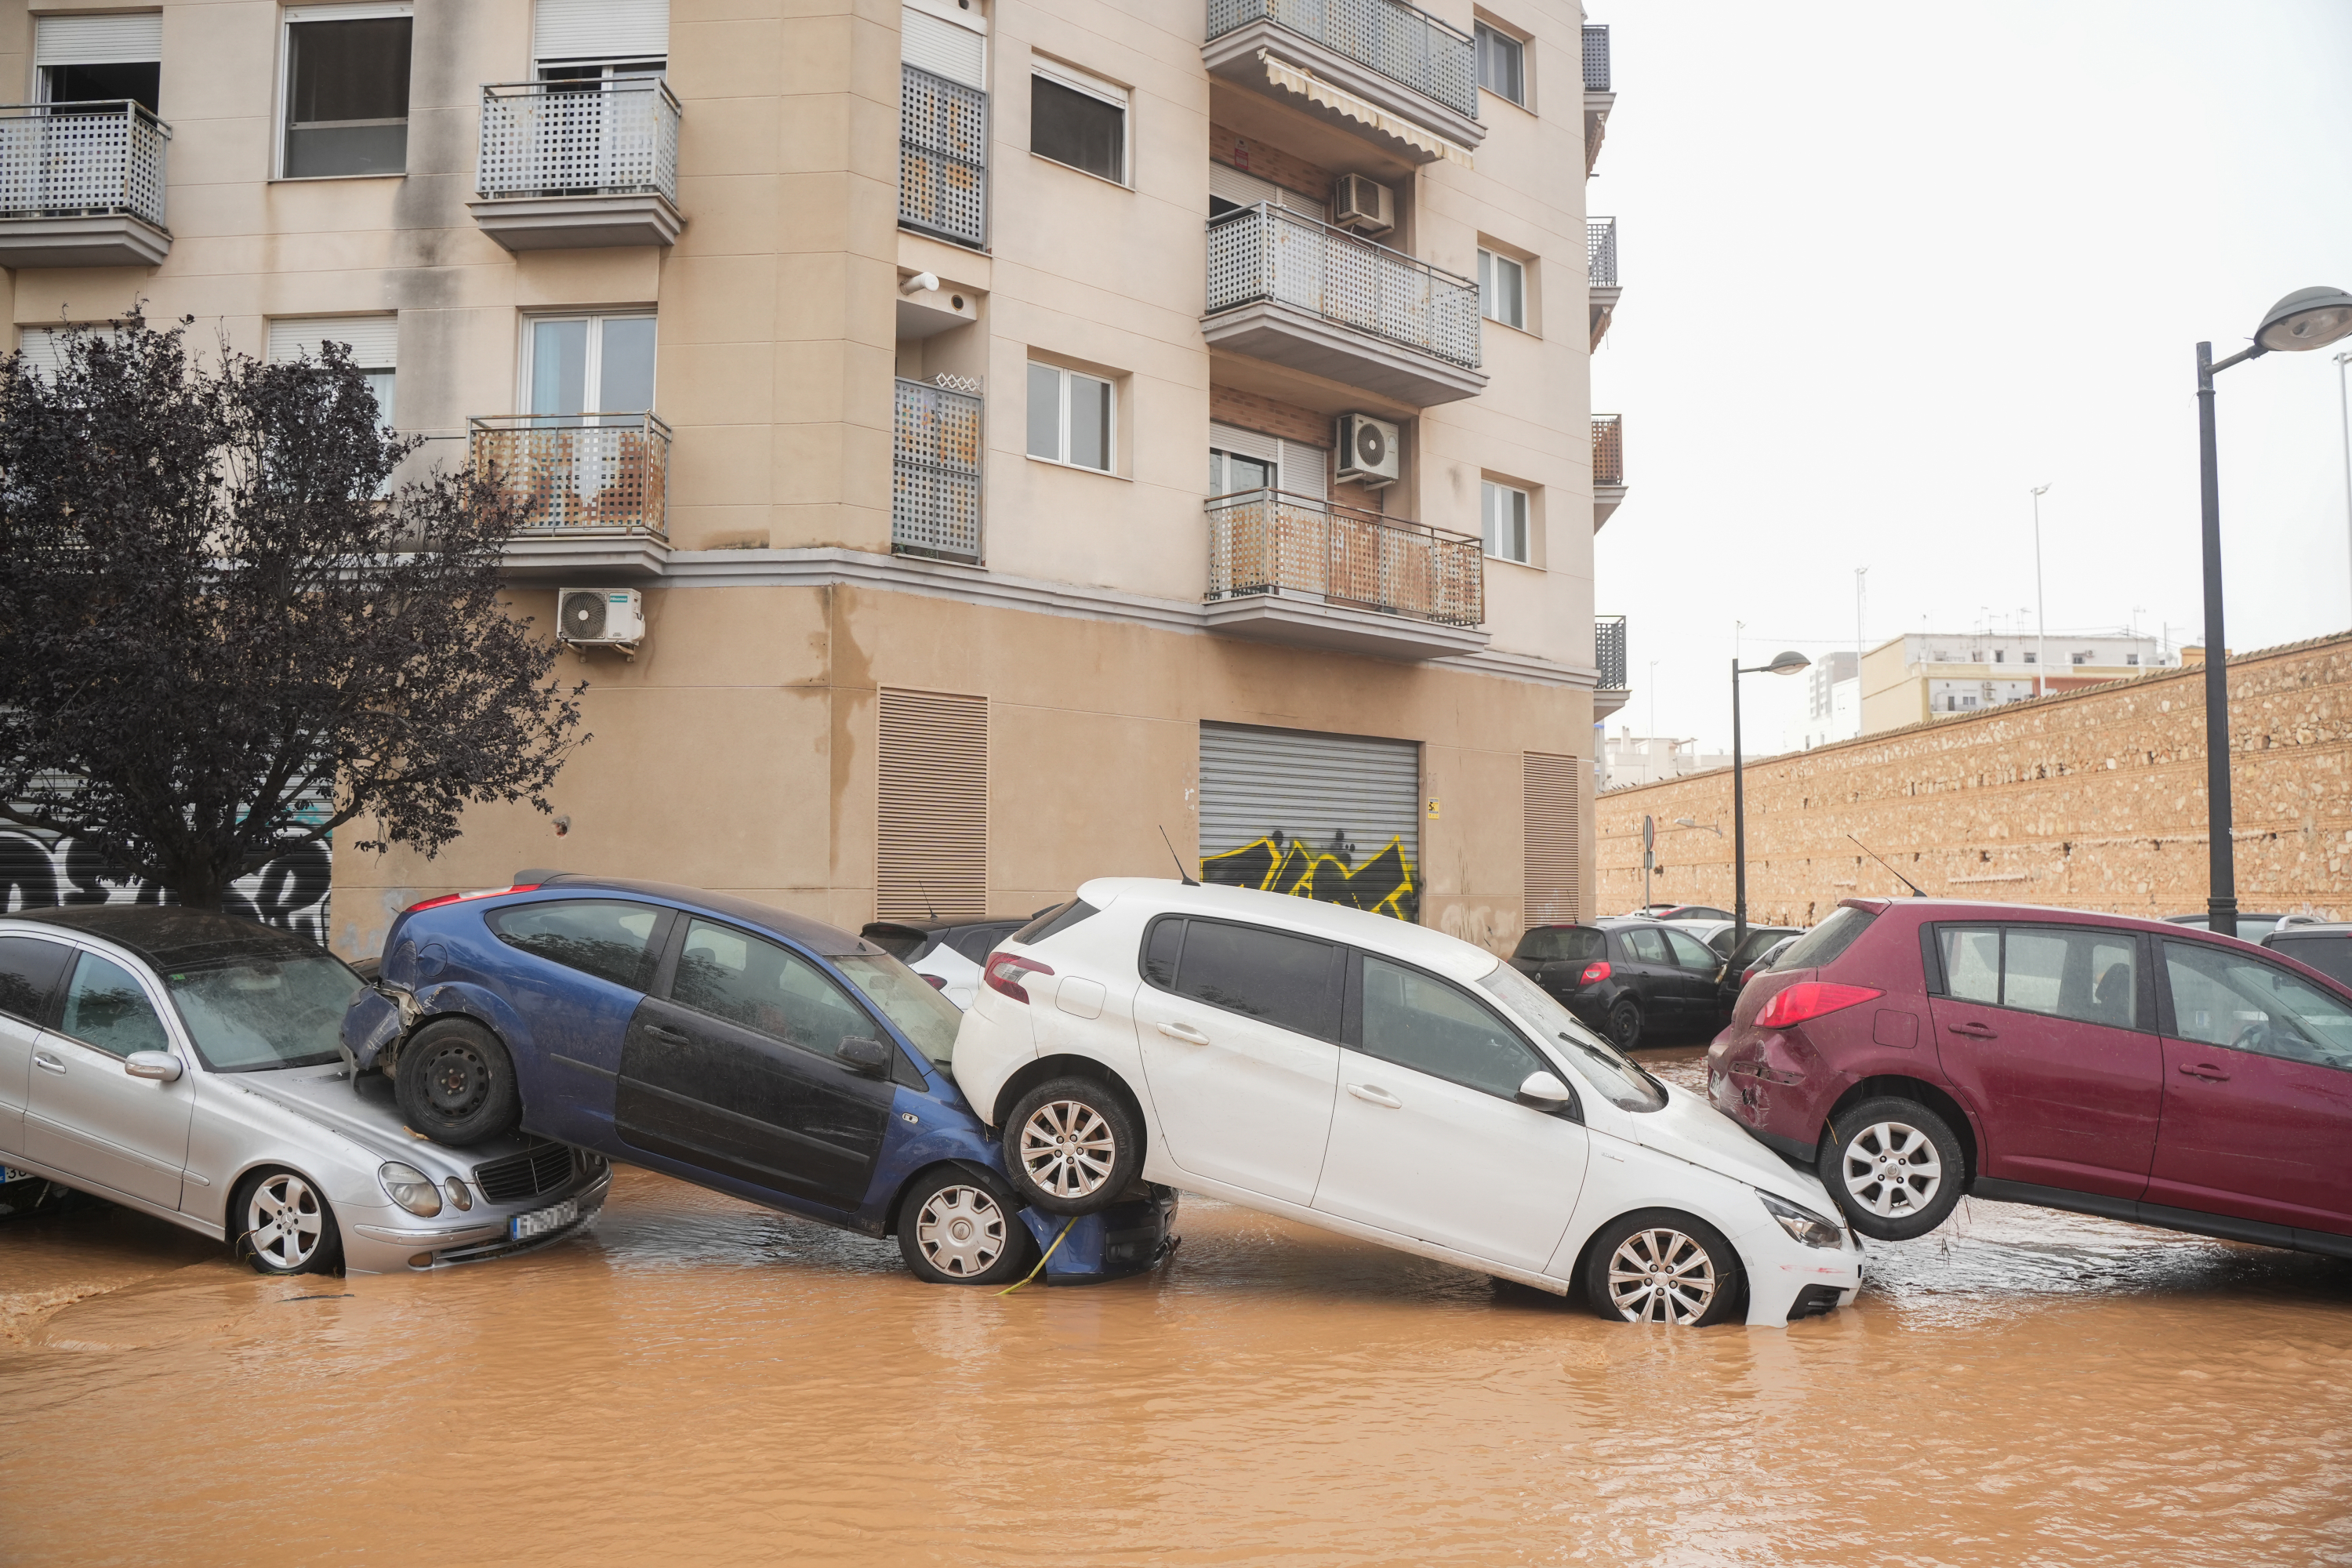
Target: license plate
column 7, row 1176
column 539, row 1222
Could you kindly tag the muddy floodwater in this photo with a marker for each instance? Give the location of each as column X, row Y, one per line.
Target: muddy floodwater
column 700, row 1381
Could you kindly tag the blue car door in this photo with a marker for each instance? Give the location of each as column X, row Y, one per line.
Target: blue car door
column 600, row 958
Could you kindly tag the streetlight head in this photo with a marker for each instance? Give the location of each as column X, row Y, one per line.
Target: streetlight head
column 1685, row 822
column 1787, row 663
column 2307, row 319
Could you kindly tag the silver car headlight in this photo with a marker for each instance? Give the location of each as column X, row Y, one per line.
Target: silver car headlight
column 1802, row 1225
column 412, row 1190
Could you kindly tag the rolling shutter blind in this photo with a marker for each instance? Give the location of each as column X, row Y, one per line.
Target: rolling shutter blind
column 44, row 348
column 1302, row 469
column 1334, row 817
column 118, row 39
column 939, row 47
column 931, row 827
column 600, row 30
column 1248, row 190
column 1551, row 862
column 374, row 339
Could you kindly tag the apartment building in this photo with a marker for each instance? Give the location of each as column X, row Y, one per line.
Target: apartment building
column 1915, row 677
column 962, row 441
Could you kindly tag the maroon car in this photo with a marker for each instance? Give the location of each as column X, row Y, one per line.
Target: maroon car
column 1914, row 1049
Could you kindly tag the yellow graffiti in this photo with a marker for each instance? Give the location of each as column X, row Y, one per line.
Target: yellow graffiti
column 1382, row 885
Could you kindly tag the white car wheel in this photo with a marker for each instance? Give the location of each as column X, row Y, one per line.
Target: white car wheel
column 286, row 1224
column 1662, row 1276
column 961, row 1231
column 1892, row 1170
column 1067, row 1149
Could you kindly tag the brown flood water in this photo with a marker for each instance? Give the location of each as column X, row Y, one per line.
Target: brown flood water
column 699, row 1380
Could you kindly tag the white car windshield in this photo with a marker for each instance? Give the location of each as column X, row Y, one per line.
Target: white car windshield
column 1601, row 1064
column 922, row 1015
column 252, row 1014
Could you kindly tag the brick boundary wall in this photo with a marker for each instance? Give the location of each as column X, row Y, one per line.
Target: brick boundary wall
column 2091, row 799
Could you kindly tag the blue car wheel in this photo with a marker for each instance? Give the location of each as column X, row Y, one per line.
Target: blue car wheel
column 456, row 1084
column 955, row 1229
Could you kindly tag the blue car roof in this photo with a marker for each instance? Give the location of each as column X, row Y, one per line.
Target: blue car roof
column 829, row 942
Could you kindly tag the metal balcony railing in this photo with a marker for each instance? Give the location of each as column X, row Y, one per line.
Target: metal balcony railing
column 935, row 449
column 1608, row 449
column 1601, row 251
column 81, row 160
column 1401, row 42
column 1273, row 541
column 1596, row 59
column 1270, row 253
column 943, row 157
column 1609, row 651
column 602, row 473
column 579, row 138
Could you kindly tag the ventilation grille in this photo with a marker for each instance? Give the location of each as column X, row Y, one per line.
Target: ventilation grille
column 932, row 829
column 543, row 1168
column 1551, row 859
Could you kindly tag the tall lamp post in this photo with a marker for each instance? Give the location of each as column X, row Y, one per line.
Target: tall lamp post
column 2307, row 319
column 1783, row 664
column 2041, row 614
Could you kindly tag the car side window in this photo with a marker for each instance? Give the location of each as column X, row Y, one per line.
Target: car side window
column 608, row 938
column 1971, row 958
column 2088, row 975
column 1160, row 945
column 2225, row 999
column 107, row 1007
column 1418, row 1021
column 29, row 968
column 2330, row 954
column 1690, row 952
column 1269, row 976
column 746, row 980
column 1647, row 944
column 980, row 940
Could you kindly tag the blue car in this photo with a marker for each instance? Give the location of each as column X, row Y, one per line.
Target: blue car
column 731, row 1045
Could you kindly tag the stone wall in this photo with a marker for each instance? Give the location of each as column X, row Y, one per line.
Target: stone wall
column 2091, row 800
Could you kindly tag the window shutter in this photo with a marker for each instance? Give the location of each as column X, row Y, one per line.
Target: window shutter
column 939, row 47
column 1551, row 862
column 374, row 339
column 1082, row 82
column 931, row 827
column 1248, row 443
column 600, row 30
column 119, row 39
column 44, row 348
column 1307, row 470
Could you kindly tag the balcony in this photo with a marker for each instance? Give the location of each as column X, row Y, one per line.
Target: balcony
column 943, row 157
column 81, row 184
column 1291, row 291
column 1376, row 68
column 1294, row 568
column 935, row 473
column 1599, row 98
column 1601, row 273
column 1609, row 692
column 593, row 489
column 570, row 164
column 1608, row 467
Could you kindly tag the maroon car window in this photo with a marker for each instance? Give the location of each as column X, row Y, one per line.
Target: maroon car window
column 2088, row 975
column 2226, row 999
column 1971, row 963
column 1825, row 942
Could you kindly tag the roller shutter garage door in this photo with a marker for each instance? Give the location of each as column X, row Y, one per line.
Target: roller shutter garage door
column 1335, row 817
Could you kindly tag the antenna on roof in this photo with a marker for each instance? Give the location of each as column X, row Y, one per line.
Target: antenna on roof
column 1182, row 874
column 932, row 909
column 1916, row 891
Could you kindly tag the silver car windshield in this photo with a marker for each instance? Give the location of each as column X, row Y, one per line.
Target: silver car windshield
column 922, row 1015
column 1601, row 1064
column 251, row 1014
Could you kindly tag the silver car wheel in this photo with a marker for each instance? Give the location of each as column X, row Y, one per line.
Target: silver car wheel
column 1067, row 1149
column 961, row 1231
column 1661, row 1276
column 285, row 1222
column 1892, row 1169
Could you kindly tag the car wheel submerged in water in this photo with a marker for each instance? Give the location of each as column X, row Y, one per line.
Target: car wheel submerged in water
column 456, row 1084
column 1660, row 1266
column 1072, row 1146
column 284, row 1225
column 956, row 1230
column 1893, row 1166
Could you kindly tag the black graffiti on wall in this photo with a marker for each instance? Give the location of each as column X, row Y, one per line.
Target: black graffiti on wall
column 1382, row 885
column 38, row 871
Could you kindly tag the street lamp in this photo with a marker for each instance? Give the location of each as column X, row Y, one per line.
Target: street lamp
column 2307, row 319
column 1783, row 664
column 2041, row 610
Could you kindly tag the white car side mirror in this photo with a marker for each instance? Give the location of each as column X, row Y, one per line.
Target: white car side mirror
column 1545, row 1089
column 161, row 1066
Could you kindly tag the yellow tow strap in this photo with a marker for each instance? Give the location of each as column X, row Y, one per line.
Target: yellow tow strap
column 1041, row 1262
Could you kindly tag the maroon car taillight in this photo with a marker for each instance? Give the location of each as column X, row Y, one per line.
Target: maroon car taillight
column 1810, row 999
column 1004, row 973
column 1595, row 973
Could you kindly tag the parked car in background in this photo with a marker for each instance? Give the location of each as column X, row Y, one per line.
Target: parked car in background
column 1916, row 1048
column 2325, row 946
column 1385, row 1081
column 731, row 1045
column 948, row 954
column 1716, row 934
column 1759, row 950
column 2250, row 928
column 1758, row 941
column 1637, row 982
column 184, row 1064
column 1681, row 913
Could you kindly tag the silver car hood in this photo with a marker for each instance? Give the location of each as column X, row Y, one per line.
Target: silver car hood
column 324, row 1096
column 1690, row 1128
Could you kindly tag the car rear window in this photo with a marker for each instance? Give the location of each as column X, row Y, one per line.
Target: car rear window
column 904, row 944
column 1562, row 945
column 1826, row 941
column 980, row 940
column 1054, row 921
column 2330, row 954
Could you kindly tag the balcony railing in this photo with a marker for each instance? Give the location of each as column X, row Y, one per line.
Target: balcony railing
column 602, row 473
column 943, row 157
column 1608, row 450
column 935, row 473
column 1609, row 651
column 1273, row 541
column 1400, row 41
column 1270, row 253
column 1596, row 59
column 1601, row 251
column 598, row 139
column 81, row 160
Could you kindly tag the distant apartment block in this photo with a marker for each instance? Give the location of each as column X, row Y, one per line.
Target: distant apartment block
column 1920, row 675
column 1630, row 759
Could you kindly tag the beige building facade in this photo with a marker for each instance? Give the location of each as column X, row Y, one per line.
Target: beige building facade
column 969, row 439
column 1923, row 674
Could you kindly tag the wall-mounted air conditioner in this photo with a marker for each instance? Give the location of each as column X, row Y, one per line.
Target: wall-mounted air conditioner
column 1364, row 205
column 601, row 617
column 1368, row 450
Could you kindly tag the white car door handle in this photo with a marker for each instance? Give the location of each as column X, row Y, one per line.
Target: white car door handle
column 1376, row 1095
column 47, row 1063
column 1184, row 1032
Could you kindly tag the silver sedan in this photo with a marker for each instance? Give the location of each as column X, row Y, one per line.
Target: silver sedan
column 184, row 1063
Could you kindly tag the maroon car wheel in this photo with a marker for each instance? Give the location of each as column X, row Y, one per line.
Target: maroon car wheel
column 1895, row 1166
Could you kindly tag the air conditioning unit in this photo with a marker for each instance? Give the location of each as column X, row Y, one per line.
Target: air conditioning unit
column 606, row 616
column 1368, row 450
column 1364, row 205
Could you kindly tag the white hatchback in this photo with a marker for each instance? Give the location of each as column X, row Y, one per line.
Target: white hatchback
column 1385, row 1081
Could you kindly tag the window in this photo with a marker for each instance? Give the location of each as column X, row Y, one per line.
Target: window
column 594, row 41
column 1274, row 977
column 1419, row 1022
column 567, row 358
column 346, row 91
column 609, row 939
column 1502, row 65
column 1503, row 521
column 1824, row 944
column 254, row 1012
column 29, row 968
column 2030, row 659
column 2330, row 954
column 373, row 343
column 748, row 981
column 1502, row 290
column 1070, row 417
column 922, row 1015
column 1602, row 1064
column 980, row 940
column 1689, row 952
column 2131, row 659
column 1229, row 473
column 1648, row 945
column 2222, row 999
column 2090, row 976
column 107, row 1007
column 1079, row 120
column 1562, row 945
column 2000, row 656
column 91, row 59
column 2082, row 658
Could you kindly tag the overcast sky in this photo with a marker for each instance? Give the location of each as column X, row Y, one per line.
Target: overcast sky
column 1889, row 266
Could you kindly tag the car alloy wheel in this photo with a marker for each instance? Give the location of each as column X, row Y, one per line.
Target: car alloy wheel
column 1067, row 1149
column 1662, row 1276
column 1892, row 1170
column 285, row 1223
column 961, row 1231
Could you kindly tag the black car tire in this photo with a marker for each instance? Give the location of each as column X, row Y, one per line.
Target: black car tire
column 279, row 1250
column 1626, row 1024
column 1072, row 1146
column 1672, row 1246
column 1893, row 1166
column 956, row 1229
column 456, row 1084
